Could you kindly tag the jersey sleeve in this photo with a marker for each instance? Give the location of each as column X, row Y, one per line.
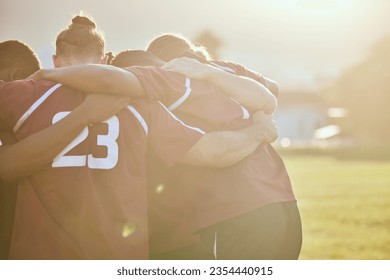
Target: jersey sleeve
column 159, row 84
column 16, row 98
column 14, row 101
column 149, row 80
column 170, row 137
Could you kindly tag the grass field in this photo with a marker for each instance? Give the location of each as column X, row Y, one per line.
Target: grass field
column 344, row 201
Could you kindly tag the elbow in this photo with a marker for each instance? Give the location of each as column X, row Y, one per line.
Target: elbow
column 271, row 105
column 272, row 86
column 274, row 89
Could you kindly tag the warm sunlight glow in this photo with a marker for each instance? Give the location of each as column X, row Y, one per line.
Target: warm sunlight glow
column 315, row 8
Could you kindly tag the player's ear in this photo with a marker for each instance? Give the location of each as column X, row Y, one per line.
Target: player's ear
column 16, row 74
column 56, row 61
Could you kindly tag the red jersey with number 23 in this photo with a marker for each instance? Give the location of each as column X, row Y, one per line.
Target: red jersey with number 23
column 90, row 202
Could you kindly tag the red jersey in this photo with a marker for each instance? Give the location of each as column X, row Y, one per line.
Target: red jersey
column 90, row 203
column 220, row 194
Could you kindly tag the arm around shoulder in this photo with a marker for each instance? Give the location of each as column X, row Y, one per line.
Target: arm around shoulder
column 96, row 78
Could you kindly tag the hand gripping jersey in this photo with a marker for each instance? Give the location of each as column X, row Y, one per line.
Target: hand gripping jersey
column 217, row 194
column 90, row 202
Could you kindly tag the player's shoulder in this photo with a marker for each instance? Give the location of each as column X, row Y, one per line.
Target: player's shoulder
column 25, row 85
column 16, row 85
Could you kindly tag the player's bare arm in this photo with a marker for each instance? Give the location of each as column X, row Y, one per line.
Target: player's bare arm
column 248, row 92
column 225, row 148
column 96, row 78
column 36, row 151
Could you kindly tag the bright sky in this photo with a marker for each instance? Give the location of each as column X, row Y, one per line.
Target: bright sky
column 299, row 43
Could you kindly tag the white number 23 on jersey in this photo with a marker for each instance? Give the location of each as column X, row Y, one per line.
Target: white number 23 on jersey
column 108, row 140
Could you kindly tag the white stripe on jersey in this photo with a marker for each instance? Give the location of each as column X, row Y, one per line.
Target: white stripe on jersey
column 184, row 97
column 227, row 69
column 35, row 106
column 177, row 119
column 245, row 113
column 139, row 118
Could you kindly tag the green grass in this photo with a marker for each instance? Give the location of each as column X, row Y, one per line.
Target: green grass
column 344, row 204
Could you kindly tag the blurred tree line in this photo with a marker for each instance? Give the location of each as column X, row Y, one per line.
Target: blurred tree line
column 364, row 91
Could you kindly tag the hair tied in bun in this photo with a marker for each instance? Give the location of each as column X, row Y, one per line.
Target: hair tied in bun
column 84, row 21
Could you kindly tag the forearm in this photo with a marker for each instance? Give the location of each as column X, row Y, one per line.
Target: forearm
column 224, row 148
column 246, row 91
column 38, row 150
column 96, row 78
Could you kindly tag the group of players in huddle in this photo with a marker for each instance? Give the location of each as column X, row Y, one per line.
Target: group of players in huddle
column 161, row 153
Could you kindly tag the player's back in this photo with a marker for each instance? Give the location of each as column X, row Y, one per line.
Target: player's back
column 90, row 203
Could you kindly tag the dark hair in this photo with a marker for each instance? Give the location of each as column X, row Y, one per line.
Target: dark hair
column 15, row 54
column 129, row 58
column 169, row 46
column 80, row 38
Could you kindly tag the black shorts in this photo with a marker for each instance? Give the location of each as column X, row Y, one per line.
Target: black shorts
column 272, row 232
